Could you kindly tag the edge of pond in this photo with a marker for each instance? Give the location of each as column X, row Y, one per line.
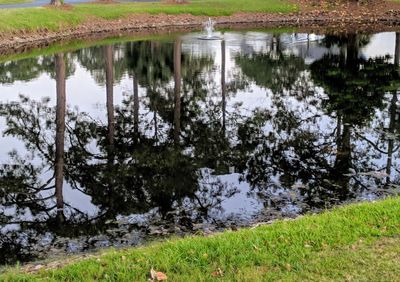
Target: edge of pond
column 362, row 211
column 145, row 25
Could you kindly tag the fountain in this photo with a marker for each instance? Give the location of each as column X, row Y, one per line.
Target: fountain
column 209, row 29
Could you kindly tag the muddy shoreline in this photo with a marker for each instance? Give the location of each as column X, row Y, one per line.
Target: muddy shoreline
column 144, row 24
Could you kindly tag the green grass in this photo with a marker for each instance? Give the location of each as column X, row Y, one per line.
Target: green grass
column 55, row 19
column 358, row 242
column 6, row 2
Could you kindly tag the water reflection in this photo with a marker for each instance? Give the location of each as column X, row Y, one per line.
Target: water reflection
column 156, row 137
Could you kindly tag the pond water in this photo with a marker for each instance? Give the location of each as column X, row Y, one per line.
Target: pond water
column 114, row 145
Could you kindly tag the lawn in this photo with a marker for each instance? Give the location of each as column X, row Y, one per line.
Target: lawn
column 358, row 242
column 54, row 19
column 5, row 2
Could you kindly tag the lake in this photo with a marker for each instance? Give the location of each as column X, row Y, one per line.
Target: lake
column 121, row 143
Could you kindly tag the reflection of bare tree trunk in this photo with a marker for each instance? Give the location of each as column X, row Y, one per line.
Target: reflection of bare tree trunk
column 177, row 89
column 276, row 40
column 343, row 56
column 353, row 47
column 343, row 158
column 109, row 54
column 223, row 83
column 135, row 106
column 392, row 124
column 155, row 125
column 60, row 132
column 339, row 127
column 397, row 50
column 392, row 114
column 155, row 116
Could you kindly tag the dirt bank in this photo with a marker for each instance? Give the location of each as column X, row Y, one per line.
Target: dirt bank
column 340, row 18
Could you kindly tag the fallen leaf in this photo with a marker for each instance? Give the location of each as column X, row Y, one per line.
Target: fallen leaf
column 218, row 273
column 161, row 276
column 157, row 275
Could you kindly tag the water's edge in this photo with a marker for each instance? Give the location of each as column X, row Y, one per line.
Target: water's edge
column 16, row 42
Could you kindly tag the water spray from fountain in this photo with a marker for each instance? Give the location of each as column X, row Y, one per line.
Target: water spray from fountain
column 209, row 27
column 209, row 30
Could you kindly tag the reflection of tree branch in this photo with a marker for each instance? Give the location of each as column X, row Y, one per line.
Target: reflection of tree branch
column 74, row 184
column 360, row 183
column 75, row 209
column 35, row 200
column 204, row 208
column 43, row 187
column 371, row 143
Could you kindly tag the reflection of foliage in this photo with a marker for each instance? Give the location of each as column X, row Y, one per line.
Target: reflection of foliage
column 93, row 59
column 354, row 94
column 147, row 178
column 280, row 150
column 346, row 39
column 277, row 73
column 32, row 123
column 295, row 153
column 32, row 68
column 23, row 70
column 151, row 62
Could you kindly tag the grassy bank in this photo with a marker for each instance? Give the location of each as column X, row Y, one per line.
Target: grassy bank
column 6, row 2
column 56, row 18
column 357, row 242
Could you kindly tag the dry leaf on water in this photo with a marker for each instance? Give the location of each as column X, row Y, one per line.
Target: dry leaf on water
column 157, row 275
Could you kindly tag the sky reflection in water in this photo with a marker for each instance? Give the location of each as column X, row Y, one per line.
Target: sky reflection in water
column 111, row 145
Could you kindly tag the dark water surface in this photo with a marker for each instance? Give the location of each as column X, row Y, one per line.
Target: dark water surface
column 113, row 145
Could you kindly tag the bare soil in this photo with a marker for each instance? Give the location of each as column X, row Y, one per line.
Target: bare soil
column 314, row 16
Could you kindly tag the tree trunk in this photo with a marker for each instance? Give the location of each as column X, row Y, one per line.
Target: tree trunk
column 397, row 50
column 60, row 134
column 343, row 159
column 392, row 125
column 177, row 89
column 353, row 47
column 155, row 125
column 392, row 113
column 135, row 106
column 223, row 84
column 109, row 55
column 56, row 2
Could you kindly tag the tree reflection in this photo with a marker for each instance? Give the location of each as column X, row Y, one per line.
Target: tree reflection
column 166, row 150
column 34, row 181
column 60, row 134
column 298, row 152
